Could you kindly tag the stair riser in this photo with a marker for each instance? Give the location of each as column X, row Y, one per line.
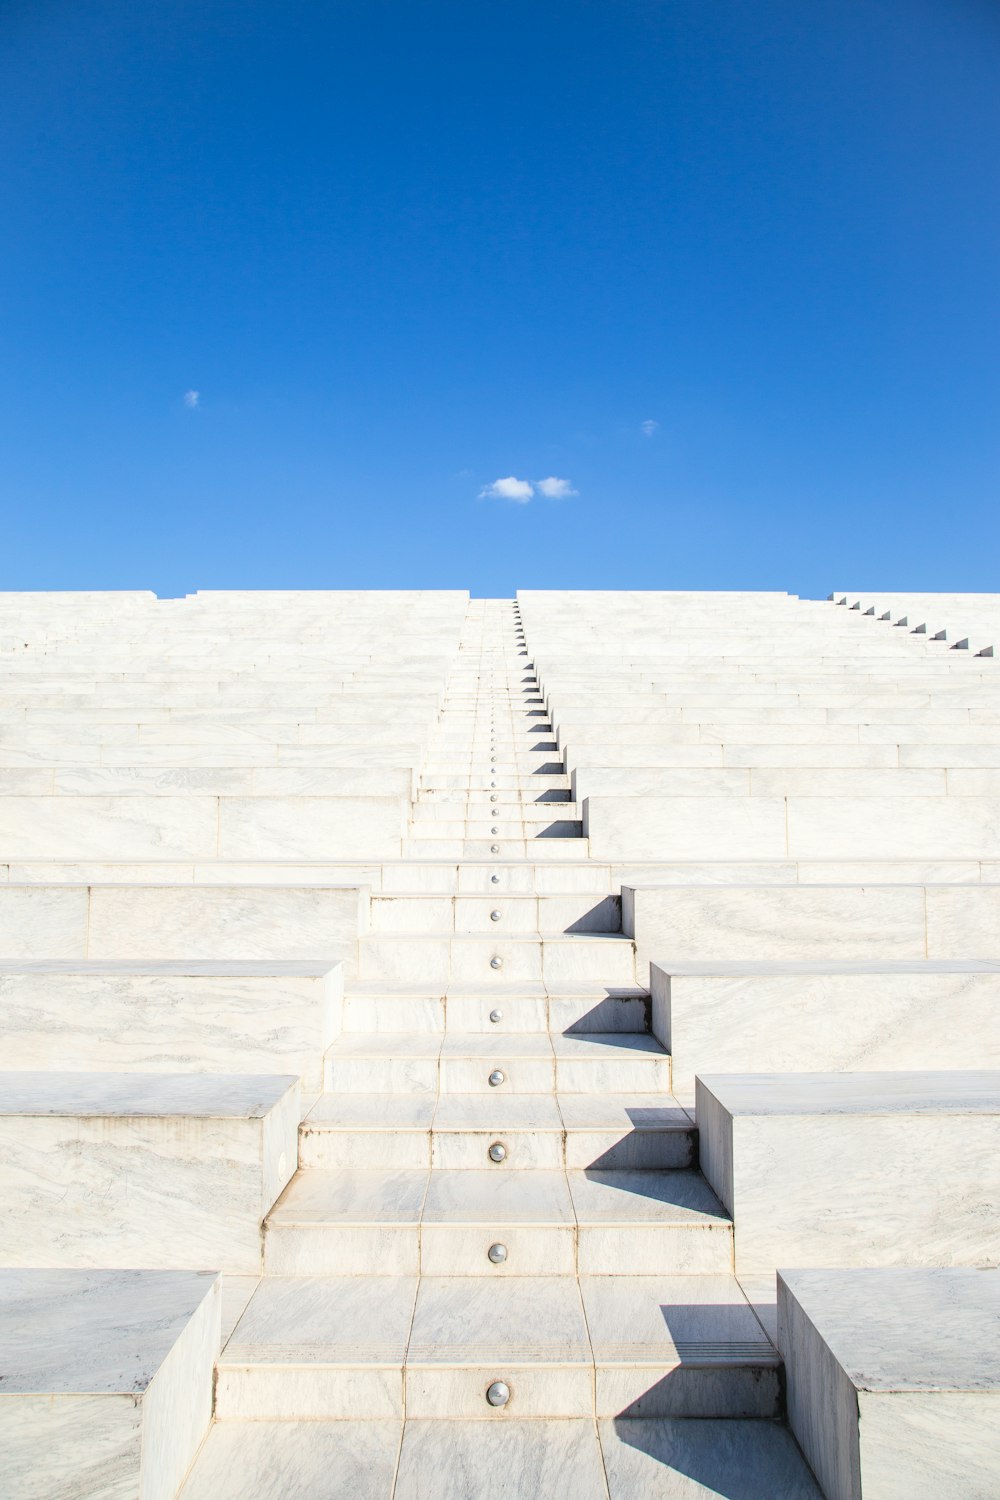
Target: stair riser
column 458, row 1392
column 534, row 850
column 469, row 963
column 535, row 1150
column 455, row 1075
column 457, row 1014
column 471, row 916
column 460, row 1250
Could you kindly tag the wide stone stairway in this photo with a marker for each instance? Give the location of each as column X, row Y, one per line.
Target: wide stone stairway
column 431, row 1023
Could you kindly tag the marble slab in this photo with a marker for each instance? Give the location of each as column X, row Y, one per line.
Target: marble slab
column 500, row 1460
column 854, row 1169
column 107, row 1380
column 318, row 1347
column 226, row 922
column 894, row 1379
column 698, row 1460
column 156, row 1169
column 267, row 1460
column 826, row 1015
column 709, row 923
column 171, row 1017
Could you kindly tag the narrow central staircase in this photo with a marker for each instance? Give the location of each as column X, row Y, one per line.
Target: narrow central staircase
column 498, row 1270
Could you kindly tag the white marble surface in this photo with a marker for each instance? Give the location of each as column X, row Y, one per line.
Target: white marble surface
column 804, row 1017
column 107, row 1380
column 225, row 922
column 318, row 1347
column 155, row 1169
column 854, row 1169
column 92, row 1017
column 503, row 1460
column 52, row 920
column 685, row 827
column 774, row 922
column 300, row 827
column 905, row 1329
column 893, row 1382
column 262, row 1460
column 696, row 1460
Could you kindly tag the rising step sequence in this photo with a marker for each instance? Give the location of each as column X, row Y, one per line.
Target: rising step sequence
column 502, row 1057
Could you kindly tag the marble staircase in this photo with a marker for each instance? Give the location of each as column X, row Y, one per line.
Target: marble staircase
column 495, row 992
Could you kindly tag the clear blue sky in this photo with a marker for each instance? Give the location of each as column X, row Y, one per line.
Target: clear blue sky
column 403, row 250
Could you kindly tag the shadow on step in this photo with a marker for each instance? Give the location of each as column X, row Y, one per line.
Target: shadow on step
column 621, row 1010
column 603, row 917
column 732, row 1459
column 713, row 1379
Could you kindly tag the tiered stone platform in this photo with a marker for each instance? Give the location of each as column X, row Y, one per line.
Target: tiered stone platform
column 460, row 1048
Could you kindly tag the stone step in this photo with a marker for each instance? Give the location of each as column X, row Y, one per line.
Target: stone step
column 882, row 1361
column 496, row 1008
column 228, row 1017
column 529, row 847
column 405, row 1131
column 443, row 1223
column 450, row 786
column 486, row 826
column 615, row 1459
column 877, row 1169
column 646, row 1346
column 506, row 913
column 105, row 1374
column 163, row 1170
column 826, row 1014
column 496, row 1064
column 476, row 960
column 498, row 806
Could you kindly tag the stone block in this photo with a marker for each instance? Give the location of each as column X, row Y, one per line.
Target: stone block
column 254, row 1017
column 162, row 1170
column 826, row 1016
column 893, row 1380
column 854, row 1169
column 107, row 1380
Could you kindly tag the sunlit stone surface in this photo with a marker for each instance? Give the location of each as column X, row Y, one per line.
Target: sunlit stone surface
column 496, row 992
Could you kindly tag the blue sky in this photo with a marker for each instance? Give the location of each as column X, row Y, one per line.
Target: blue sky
column 728, row 269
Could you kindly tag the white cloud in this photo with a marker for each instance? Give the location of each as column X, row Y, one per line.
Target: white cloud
column 556, row 489
column 191, row 398
column 518, row 490
column 648, row 427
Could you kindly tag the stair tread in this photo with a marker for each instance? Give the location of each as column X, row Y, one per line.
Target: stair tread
column 525, row 1319
column 456, row 1195
column 422, row 1112
column 490, row 1460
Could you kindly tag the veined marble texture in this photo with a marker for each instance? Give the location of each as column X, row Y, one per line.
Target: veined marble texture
column 276, row 1460
column 297, row 827
column 894, row 1379
column 878, row 1169
column 107, row 1387
column 225, row 922
column 49, row 919
column 685, row 827
column 109, row 827
column 119, row 1018
column 894, row 827
column 143, row 1169
column 798, row 1017
column 713, row 923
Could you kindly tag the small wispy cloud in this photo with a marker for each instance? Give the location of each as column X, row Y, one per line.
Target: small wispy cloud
column 555, row 489
column 518, row 490
column 191, row 398
column 648, row 427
